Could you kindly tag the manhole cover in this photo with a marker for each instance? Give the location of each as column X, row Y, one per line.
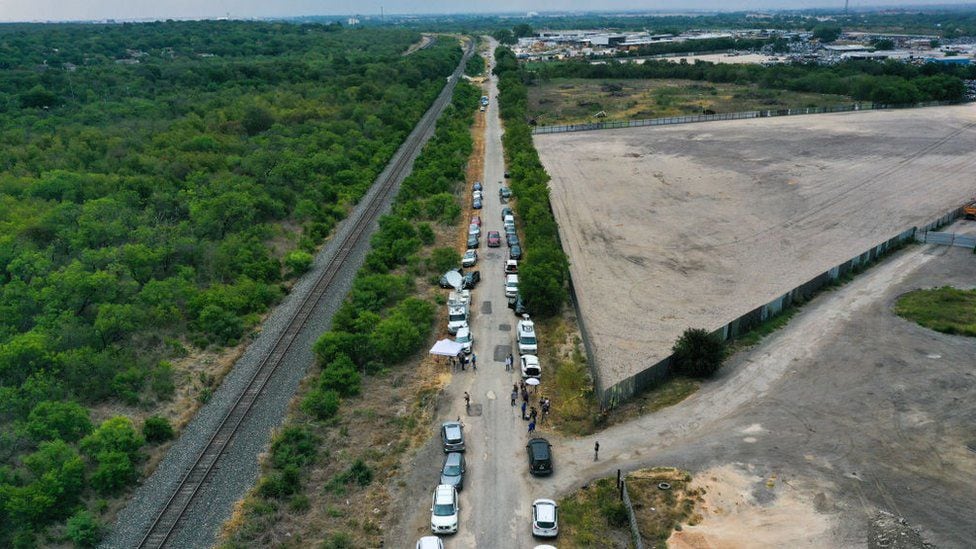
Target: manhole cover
column 486, row 307
column 474, row 410
column 502, row 352
column 504, row 327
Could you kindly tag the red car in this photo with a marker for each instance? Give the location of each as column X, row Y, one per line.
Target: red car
column 476, row 220
column 494, row 239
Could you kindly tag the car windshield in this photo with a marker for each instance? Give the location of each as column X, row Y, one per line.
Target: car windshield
column 459, row 316
column 443, row 510
column 464, row 338
column 452, row 470
column 545, row 524
column 528, row 340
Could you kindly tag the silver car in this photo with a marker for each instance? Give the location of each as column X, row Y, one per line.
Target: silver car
column 452, row 472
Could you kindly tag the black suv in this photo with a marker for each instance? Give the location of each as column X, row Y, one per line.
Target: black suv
column 470, row 280
column 540, row 456
column 516, row 304
column 452, row 435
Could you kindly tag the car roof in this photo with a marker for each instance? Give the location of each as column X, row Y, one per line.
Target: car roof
column 540, row 446
column 470, row 252
column 530, row 359
column 511, row 278
column 545, row 509
column 444, row 492
column 463, row 330
column 453, row 458
column 430, row 542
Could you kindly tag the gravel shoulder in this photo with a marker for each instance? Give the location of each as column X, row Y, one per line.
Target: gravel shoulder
column 695, row 225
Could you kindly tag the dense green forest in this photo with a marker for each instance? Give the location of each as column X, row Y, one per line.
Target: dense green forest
column 889, row 82
column 159, row 185
column 381, row 324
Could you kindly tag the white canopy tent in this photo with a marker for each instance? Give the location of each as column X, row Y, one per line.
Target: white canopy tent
column 446, row 347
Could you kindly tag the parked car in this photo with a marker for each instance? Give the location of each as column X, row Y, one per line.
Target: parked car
column 508, row 221
column 474, row 230
column 545, row 523
column 504, row 192
column 511, row 285
column 540, row 456
column 476, row 204
column 525, row 335
column 470, row 258
column 470, row 280
column 452, row 472
column 515, row 252
column 444, row 510
column 477, row 195
column 517, row 305
column 530, row 366
column 452, row 435
column 494, row 240
column 444, row 283
column 465, row 338
column 511, row 239
column 511, row 266
column 506, row 211
column 476, row 186
column 430, row 542
column 473, row 241
column 476, row 220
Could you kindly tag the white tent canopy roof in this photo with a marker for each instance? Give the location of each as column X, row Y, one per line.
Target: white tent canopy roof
column 446, row 347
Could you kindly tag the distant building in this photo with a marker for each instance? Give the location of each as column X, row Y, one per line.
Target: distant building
column 949, row 60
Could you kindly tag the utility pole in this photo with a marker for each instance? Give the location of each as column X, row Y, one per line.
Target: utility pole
column 846, row 4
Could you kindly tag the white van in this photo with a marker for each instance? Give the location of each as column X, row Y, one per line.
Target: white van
column 511, row 285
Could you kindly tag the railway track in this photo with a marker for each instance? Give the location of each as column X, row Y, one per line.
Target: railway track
column 174, row 512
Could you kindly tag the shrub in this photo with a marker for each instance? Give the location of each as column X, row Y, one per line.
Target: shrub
column 220, row 325
column 321, row 404
column 697, row 353
column 281, row 483
column 298, row 262
column 295, row 445
column 115, row 434
column 114, row 472
column 360, row 473
column 339, row 540
column 615, row 513
column 161, row 381
column 443, row 259
column 426, row 233
column 64, row 420
column 157, row 429
column 83, row 529
column 341, row 376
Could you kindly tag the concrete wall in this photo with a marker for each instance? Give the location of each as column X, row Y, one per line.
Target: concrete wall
column 609, row 397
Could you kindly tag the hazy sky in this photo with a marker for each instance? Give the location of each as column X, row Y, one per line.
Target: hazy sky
column 52, row 10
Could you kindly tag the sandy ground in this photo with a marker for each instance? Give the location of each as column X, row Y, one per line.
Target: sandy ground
column 672, row 227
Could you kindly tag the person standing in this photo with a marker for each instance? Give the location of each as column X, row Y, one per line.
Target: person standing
column 514, row 397
column 508, row 363
column 474, row 362
column 533, row 413
column 596, row 451
column 531, row 426
column 524, row 404
column 464, row 362
column 467, row 401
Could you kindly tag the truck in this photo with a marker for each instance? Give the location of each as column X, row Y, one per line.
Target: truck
column 457, row 318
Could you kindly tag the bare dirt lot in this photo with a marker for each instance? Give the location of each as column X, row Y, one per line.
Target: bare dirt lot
column 694, row 225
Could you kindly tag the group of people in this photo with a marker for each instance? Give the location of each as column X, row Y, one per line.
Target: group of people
column 462, row 360
column 530, row 413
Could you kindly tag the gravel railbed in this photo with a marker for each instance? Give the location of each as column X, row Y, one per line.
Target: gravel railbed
column 237, row 470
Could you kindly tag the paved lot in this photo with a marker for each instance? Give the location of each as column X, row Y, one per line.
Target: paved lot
column 694, row 225
column 847, row 411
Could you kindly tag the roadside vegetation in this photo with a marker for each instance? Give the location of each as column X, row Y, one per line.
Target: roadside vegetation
column 889, row 82
column 161, row 186
column 356, row 414
column 946, row 309
column 595, row 515
column 577, row 100
column 544, row 273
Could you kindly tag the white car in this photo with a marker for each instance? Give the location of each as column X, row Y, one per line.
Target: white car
column 474, row 230
column 476, row 195
column 525, row 335
column 530, row 366
column 545, row 523
column 511, row 266
column 457, row 318
column 511, row 285
column 470, row 258
column 444, row 510
column 465, row 338
column 430, row 542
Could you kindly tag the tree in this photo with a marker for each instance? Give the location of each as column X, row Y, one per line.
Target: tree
column 504, row 36
column 38, row 98
column 697, row 353
column 341, row 376
column 827, row 33
column 522, row 30
column 114, row 472
column 116, row 434
column 157, row 429
column 58, row 420
column 256, row 120
column 884, row 44
column 321, row 404
column 298, row 262
column 84, row 529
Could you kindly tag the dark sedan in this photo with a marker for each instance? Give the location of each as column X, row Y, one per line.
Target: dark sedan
column 515, row 252
column 470, row 280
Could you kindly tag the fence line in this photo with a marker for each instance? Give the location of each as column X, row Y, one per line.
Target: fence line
column 654, row 374
column 949, row 239
column 631, row 516
column 616, row 124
